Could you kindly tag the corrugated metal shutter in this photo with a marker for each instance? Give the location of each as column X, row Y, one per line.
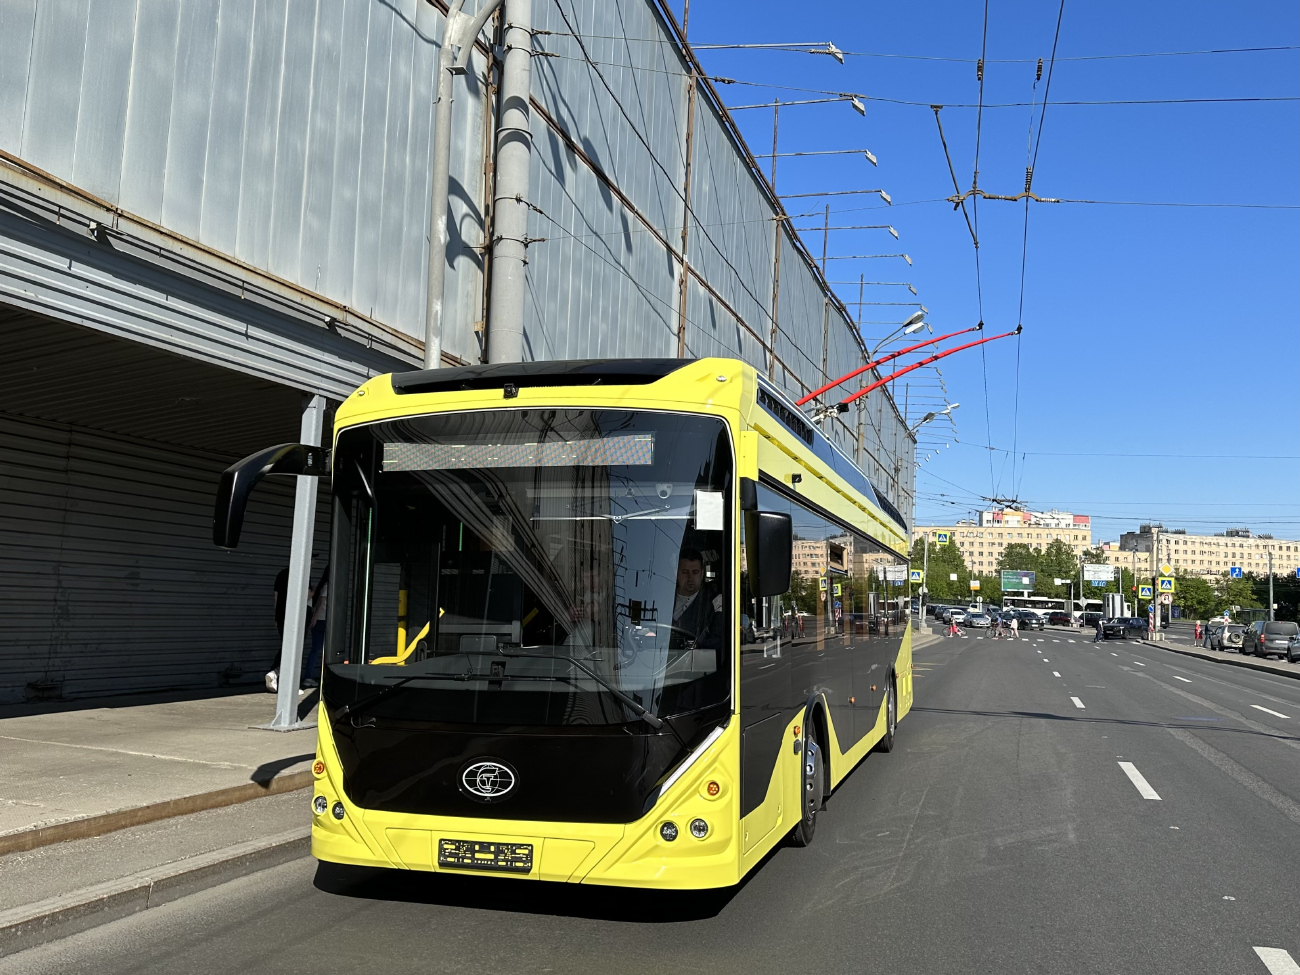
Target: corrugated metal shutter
column 109, row 581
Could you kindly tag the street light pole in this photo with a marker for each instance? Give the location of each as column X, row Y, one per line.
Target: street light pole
column 1270, row 585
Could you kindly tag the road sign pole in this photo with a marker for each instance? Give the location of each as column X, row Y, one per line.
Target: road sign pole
column 1270, row 585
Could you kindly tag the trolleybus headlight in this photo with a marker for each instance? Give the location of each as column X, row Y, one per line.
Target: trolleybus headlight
column 668, row 831
column 320, row 804
column 699, row 828
column 338, row 810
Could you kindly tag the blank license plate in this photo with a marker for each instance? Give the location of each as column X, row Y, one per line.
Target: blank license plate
column 477, row 855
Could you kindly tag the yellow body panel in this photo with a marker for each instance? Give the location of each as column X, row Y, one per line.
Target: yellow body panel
column 633, row 854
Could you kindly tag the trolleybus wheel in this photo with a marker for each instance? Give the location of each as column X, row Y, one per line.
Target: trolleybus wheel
column 886, row 744
column 814, row 772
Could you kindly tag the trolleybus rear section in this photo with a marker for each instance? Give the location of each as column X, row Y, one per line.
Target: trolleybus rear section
column 533, row 663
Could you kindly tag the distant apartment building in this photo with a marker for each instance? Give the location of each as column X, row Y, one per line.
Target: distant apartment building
column 981, row 541
column 1207, row 555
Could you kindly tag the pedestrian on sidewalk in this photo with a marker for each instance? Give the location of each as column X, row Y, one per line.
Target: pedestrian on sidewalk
column 1198, row 632
column 1101, row 633
column 280, row 589
column 316, row 626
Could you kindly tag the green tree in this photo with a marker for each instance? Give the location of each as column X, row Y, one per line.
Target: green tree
column 1234, row 592
column 1018, row 557
column 1057, row 562
column 944, row 560
column 1195, row 596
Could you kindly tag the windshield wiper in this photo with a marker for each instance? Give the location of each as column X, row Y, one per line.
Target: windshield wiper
column 356, row 706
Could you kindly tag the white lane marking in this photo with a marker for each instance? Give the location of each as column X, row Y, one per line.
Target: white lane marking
column 1183, row 679
column 1114, row 655
column 1024, row 639
column 1077, row 702
column 1139, row 781
column 1056, row 641
column 1071, row 641
column 1139, row 663
column 1276, row 714
column 1278, row 961
column 1056, row 673
column 1040, row 639
column 1044, row 660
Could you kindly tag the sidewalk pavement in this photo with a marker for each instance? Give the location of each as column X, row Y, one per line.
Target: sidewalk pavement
column 77, row 772
column 1232, row 659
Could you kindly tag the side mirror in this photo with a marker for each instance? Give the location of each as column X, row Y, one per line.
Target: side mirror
column 238, row 481
column 769, row 545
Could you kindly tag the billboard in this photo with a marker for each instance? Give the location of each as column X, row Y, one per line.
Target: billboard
column 897, row 573
column 1012, row 579
column 1094, row 572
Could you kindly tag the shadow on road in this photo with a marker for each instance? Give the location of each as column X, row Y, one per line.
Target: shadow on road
column 525, row 897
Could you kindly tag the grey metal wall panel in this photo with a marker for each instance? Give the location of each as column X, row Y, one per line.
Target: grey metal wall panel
column 733, row 232
column 370, row 174
column 712, row 331
column 291, row 139
column 148, row 111
column 59, row 44
column 105, row 82
column 219, row 223
column 262, row 114
column 189, row 127
column 109, row 582
column 647, row 104
column 322, row 130
column 340, row 265
column 17, row 28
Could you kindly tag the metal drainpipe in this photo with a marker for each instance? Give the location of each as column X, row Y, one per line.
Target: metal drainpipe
column 510, row 216
column 441, row 163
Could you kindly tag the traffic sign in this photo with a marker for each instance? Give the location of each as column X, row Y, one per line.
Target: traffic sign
column 916, row 575
column 1166, row 598
column 1166, row 569
column 941, row 538
column 1145, row 592
column 1297, row 572
column 952, row 577
column 1235, row 572
column 839, row 589
column 822, row 583
column 974, row 584
column 1165, row 585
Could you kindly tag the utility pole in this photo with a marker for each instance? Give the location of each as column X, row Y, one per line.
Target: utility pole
column 925, row 573
column 1270, row 585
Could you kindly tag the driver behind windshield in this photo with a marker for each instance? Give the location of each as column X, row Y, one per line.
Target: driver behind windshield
column 698, row 619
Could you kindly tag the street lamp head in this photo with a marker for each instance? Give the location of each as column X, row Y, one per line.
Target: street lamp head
column 858, row 106
column 917, row 318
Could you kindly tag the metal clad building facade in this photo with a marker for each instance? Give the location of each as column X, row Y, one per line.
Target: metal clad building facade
column 226, row 201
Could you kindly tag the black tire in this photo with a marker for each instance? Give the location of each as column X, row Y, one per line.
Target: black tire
column 886, row 744
column 814, row 786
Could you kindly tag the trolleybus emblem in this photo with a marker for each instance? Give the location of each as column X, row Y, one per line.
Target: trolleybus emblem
column 488, row 781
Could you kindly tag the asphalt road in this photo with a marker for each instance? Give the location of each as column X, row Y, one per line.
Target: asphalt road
column 1003, row 835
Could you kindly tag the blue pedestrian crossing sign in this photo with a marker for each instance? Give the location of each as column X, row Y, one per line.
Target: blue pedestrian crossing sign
column 941, row 538
column 1145, row 592
column 1165, row 585
column 916, row 574
column 1235, row 572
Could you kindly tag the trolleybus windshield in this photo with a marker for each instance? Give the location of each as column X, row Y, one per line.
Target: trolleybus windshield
column 531, row 567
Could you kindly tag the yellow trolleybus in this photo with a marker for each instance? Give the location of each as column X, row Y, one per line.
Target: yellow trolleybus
column 562, row 642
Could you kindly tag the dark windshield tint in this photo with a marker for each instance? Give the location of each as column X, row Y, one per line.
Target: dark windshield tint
column 1283, row 628
column 532, row 567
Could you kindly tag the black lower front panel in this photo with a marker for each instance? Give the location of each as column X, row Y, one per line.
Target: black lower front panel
column 604, row 774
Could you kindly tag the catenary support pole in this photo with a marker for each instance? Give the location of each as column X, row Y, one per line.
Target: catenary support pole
column 440, row 165
column 295, row 602
column 510, row 198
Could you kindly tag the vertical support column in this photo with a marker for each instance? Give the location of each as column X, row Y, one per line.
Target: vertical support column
column 510, row 199
column 682, row 288
column 295, row 603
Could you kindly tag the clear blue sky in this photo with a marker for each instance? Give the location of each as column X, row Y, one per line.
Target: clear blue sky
column 1148, row 330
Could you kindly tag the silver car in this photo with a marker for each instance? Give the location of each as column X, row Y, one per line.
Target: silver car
column 1224, row 636
column 977, row 619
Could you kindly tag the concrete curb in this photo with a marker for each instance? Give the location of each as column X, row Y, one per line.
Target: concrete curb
column 1232, row 660
column 66, row 914
column 80, row 829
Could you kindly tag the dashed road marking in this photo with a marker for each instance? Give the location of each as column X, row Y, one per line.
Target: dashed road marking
column 1183, row 679
column 1278, row 961
column 1056, row 673
column 1276, row 714
column 1077, row 703
column 1139, row 781
column 1114, row 655
column 1056, row 641
column 1071, row 641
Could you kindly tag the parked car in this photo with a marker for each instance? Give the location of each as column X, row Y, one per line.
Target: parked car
column 1124, row 628
column 1223, row 636
column 1059, row 617
column 1266, row 639
column 1293, row 649
column 747, row 634
column 977, row 620
column 1090, row 620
